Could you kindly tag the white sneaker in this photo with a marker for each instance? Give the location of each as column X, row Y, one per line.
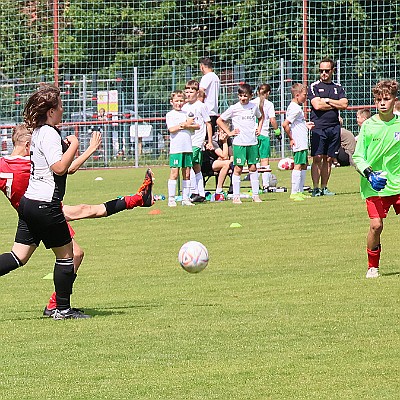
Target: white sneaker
column 171, row 203
column 187, row 202
column 256, row 199
column 236, row 200
column 372, row 273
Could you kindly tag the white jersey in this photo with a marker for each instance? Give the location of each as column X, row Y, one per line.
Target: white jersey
column 201, row 116
column 211, row 83
column 295, row 115
column 181, row 141
column 46, row 150
column 244, row 117
column 269, row 112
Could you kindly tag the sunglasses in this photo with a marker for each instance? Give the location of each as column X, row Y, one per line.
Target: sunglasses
column 321, row 71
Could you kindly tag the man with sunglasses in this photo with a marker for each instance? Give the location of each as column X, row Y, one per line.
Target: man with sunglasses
column 327, row 99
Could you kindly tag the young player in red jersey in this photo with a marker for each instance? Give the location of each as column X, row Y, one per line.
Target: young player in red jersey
column 14, row 179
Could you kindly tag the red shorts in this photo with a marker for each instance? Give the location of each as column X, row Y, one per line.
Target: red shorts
column 71, row 231
column 378, row 207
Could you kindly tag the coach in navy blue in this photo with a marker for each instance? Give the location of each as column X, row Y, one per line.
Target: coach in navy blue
column 327, row 98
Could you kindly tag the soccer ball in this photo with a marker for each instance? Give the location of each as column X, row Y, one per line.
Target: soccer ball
column 286, row 164
column 193, row 257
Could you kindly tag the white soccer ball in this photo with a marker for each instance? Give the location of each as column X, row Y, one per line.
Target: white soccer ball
column 286, row 164
column 193, row 257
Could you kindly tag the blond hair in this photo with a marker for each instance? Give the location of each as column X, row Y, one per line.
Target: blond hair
column 20, row 135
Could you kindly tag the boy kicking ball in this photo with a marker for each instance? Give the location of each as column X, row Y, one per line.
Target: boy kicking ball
column 297, row 128
column 377, row 159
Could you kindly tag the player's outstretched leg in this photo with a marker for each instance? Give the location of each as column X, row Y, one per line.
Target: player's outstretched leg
column 145, row 192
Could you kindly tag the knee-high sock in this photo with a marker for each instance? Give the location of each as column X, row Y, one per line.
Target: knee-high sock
column 9, row 262
column 193, row 182
column 236, row 184
column 296, row 178
column 200, row 184
column 303, row 179
column 255, row 185
column 171, row 188
column 374, row 256
column 185, row 189
column 266, row 177
column 63, row 278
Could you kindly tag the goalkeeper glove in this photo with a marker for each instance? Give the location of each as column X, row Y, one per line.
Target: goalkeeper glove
column 377, row 179
column 278, row 134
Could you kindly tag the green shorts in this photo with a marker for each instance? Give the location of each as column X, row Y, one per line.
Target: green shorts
column 181, row 160
column 300, row 157
column 241, row 154
column 264, row 146
column 197, row 155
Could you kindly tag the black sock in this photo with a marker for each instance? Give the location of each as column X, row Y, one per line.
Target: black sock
column 9, row 262
column 115, row 206
column 63, row 281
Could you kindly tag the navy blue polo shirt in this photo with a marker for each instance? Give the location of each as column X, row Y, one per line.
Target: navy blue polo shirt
column 328, row 118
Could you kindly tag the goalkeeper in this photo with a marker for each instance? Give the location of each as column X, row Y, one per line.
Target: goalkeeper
column 377, row 159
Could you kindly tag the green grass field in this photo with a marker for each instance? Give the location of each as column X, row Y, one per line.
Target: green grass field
column 283, row 310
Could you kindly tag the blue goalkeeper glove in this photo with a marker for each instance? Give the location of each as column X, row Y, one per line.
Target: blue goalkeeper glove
column 377, row 179
column 278, row 134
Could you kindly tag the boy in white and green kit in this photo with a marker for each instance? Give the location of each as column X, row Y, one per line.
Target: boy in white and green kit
column 181, row 127
column 297, row 128
column 377, row 159
column 247, row 120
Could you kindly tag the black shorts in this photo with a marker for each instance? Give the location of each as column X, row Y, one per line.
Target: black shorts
column 325, row 141
column 40, row 221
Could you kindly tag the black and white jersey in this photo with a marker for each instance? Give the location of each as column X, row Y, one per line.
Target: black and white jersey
column 47, row 148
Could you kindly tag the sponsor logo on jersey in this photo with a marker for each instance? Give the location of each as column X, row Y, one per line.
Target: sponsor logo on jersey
column 397, row 136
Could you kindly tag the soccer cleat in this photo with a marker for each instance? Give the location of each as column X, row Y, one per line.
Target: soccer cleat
column 197, row 198
column 256, row 199
column 304, row 195
column 187, row 202
column 236, row 200
column 327, row 192
column 372, row 273
column 146, row 190
column 317, row 192
column 171, row 203
column 69, row 313
column 48, row 312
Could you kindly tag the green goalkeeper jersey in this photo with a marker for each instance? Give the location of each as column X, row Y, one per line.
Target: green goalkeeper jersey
column 378, row 147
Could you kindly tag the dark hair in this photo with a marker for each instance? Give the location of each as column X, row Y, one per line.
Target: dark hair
column 192, row 84
column 328, row 60
column 206, row 62
column 245, row 88
column 264, row 88
column 43, row 100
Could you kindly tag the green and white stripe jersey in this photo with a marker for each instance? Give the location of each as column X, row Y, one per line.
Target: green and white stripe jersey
column 378, row 147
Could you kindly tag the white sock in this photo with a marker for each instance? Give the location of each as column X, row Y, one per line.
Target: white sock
column 218, row 190
column 171, row 188
column 200, row 184
column 236, row 184
column 303, row 179
column 296, row 177
column 185, row 189
column 193, row 185
column 266, row 177
column 255, row 186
